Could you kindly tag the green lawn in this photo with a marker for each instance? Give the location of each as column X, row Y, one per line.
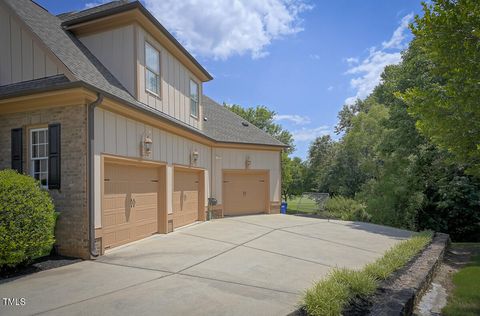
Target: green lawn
column 301, row 205
column 465, row 299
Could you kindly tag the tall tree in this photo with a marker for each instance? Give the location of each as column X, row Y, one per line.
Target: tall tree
column 263, row 118
column 447, row 109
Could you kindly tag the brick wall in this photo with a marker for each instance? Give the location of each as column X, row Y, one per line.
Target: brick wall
column 71, row 233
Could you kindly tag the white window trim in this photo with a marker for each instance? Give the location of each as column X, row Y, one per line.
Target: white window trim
column 31, row 158
column 191, row 98
column 159, row 80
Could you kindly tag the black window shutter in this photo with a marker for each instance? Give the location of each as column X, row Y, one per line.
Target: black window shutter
column 17, row 149
column 54, row 156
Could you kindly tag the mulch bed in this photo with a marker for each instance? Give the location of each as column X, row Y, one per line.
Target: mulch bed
column 40, row 264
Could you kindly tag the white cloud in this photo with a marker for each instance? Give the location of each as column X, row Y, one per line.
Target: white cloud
column 367, row 72
column 352, row 60
column 398, row 38
column 223, row 28
column 294, row 118
column 330, row 88
column 315, row 56
column 309, row 134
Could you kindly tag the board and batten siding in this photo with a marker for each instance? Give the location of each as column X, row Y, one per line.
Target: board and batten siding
column 116, row 51
column 174, row 98
column 21, row 57
column 226, row 158
column 118, row 135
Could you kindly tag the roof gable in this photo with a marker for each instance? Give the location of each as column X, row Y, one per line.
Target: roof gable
column 117, row 13
column 222, row 125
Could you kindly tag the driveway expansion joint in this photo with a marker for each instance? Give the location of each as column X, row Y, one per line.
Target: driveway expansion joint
column 103, row 294
column 260, row 249
column 330, row 241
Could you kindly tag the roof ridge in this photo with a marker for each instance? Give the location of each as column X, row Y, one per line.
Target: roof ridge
column 94, row 8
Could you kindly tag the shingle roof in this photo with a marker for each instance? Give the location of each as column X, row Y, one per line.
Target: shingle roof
column 88, row 70
column 226, row 126
column 52, row 82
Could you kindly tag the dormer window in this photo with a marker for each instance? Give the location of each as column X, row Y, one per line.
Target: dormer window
column 152, row 69
column 193, row 98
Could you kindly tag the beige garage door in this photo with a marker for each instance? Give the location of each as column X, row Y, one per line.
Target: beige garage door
column 185, row 198
column 244, row 193
column 130, row 203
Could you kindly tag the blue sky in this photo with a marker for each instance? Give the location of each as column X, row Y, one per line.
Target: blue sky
column 303, row 59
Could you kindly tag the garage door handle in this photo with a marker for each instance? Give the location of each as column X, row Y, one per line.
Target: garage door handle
column 244, row 194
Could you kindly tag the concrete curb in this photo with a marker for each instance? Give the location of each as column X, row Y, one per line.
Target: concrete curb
column 401, row 293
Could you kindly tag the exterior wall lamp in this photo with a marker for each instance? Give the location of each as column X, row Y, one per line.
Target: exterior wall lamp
column 248, row 162
column 194, row 157
column 147, row 146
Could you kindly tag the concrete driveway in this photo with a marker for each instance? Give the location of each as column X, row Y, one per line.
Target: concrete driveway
column 252, row 265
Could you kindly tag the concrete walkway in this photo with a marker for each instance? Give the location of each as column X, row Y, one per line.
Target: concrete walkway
column 252, row 265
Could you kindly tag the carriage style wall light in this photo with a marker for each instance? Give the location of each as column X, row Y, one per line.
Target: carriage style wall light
column 248, row 162
column 194, row 157
column 146, row 146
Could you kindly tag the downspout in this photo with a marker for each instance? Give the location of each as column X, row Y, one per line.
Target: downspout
column 91, row 173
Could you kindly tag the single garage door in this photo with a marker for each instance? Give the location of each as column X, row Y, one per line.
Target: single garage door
column 130, row 203
column 185, row 198
column 244, row 193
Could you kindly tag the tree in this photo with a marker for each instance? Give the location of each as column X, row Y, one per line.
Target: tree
column 385, row 162
column 446, row 108
column 321, row 156
column 263, row 118
column 292, row 169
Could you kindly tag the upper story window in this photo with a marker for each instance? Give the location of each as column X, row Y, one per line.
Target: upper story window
column 194, row 98
column 39, row 155
column 152, row 69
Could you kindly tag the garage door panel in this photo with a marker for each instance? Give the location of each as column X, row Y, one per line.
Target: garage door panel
column 146, row 213
column 144, row 230
column 130, row 203
column 244, row 193
column 185, row 198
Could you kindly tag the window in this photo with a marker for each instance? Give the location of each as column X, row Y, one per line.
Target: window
column 193, row 98
column 39, row 155
column 152, row 69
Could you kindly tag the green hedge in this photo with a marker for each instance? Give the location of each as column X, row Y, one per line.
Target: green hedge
column 27, row 219
column 347, row 209
column 331, row 295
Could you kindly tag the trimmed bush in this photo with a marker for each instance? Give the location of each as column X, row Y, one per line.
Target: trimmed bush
column 347, row 209
column 332, row 294
column 27, row 219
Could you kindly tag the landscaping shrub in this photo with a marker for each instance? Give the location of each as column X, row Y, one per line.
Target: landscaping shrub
column 332, row 294
column 27, row 219
column 327, row 297
column 347, row 209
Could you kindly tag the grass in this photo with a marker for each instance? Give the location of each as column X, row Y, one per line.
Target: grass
column 303, row 205
column 332, row 294
column 465, row 299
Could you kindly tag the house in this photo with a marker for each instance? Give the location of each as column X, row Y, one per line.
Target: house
column 105, row 107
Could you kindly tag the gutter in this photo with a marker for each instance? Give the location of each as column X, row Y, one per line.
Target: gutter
column 91, row 174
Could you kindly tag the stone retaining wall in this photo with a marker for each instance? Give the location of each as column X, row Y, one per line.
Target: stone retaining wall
column 400, row 294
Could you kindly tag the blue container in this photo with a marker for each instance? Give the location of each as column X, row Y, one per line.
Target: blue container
column 283, row 208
